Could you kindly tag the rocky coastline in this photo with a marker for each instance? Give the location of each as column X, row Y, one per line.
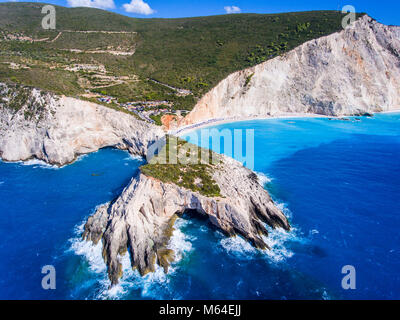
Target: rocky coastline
column 57, row 129
column 351, row 72
column 141, row 220
column 35, row 124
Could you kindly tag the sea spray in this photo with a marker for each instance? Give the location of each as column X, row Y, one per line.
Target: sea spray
column 35, row 163
column 156, row 284
column 278, row 241
column 239, row 248
column 263, row 179
column 284, row 208
column 153, row 285
column 133, row 157
column 180, row 242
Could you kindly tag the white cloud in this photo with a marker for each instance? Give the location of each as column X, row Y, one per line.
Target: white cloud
column 138, row 6
column 232, row 9
column 101, row 4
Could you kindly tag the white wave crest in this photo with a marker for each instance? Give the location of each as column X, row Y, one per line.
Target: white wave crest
column 239, row 247
column 133, row 157
column 284, row 208
column 153, row 285
column 38, row 164
column 263, row 178
column 180, row 242
column 82, row 156
column 278, row 241
column 91, row 252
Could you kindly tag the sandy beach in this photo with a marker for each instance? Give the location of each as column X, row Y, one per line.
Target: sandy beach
column 214, row 122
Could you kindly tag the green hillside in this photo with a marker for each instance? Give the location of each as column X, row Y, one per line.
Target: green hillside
column 188, row 53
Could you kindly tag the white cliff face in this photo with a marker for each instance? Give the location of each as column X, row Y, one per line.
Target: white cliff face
column 57, row 129
column 61, row 128
column 141, row 219
column 353, row 71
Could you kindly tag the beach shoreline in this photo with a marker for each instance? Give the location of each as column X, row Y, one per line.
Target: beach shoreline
column 215, row 122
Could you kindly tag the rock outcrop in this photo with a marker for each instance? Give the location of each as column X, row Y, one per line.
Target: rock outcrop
column 141, row 219
column 350, row 72
column 34, row 124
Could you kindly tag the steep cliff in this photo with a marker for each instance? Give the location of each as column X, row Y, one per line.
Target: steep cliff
column 142, row 218
column 35, row 124
column 353, row 71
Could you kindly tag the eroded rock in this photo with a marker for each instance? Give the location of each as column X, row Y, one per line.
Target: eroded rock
column 57, row 129
column 141, row 219
column 351, row 72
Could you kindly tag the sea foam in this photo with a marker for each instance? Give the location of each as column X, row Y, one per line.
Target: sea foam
column 278, row 240
column 133, row 157
column 263, row 178
column 239, row 248
column 35, row 163
column 153, row 285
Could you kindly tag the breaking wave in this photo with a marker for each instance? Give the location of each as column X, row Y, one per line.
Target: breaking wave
column 263, row 178
column 279, row 241
column 35, row 163
column 153, row 285
column 239, row 247
column 133, row 157
column 284, row 208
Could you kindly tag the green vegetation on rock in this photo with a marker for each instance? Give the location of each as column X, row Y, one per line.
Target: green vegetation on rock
column 186, row 53
column 193, row 176
column 16, row 97
column 157, row 119
column 248, row 79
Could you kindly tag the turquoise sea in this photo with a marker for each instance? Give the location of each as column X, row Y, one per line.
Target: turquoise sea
column 338, row 181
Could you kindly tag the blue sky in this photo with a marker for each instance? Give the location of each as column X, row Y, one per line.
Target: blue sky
column 384, row 11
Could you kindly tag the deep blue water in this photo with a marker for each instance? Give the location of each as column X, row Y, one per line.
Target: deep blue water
column 338, row 181
column 40, row 208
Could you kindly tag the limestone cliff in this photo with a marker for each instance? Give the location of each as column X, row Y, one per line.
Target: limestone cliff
column 353, row 71
column 141, row 219
column 35, row 124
